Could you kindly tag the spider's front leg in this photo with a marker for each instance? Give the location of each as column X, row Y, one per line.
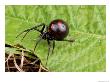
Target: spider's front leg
column 33, row 28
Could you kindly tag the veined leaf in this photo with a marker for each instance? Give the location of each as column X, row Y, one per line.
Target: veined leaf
column 87, row 25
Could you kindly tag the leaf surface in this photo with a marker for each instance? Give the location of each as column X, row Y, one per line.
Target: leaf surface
column 87, row 25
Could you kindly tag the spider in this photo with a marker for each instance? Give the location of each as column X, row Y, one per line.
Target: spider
column 56, row 31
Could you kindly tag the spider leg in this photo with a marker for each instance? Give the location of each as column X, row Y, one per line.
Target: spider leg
column 46, row 28
column 37, row 43
column 33, row 28
column 41, row 37
column 22, row 32
column 25, row 35
column 53, row 46
column 49, row 46
column 41, row 31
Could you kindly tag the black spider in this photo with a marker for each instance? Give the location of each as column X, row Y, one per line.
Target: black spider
column 56, row 31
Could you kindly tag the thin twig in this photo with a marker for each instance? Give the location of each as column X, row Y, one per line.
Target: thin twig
column 22, row 59
column 40, row 68
column 8, row 57
column 7, row 61
column 34, row 61
column 19, row 69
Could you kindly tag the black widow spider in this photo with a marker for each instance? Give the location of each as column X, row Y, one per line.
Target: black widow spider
column 56, row 31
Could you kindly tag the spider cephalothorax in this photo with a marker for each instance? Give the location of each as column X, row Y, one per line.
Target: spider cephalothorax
column 56, row 31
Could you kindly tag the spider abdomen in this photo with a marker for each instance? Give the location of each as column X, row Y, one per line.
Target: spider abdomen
column 58, row 29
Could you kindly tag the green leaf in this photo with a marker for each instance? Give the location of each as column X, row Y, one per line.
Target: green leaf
column 87, row 25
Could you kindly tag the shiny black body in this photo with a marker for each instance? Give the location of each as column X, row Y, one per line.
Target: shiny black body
column 56, row 31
